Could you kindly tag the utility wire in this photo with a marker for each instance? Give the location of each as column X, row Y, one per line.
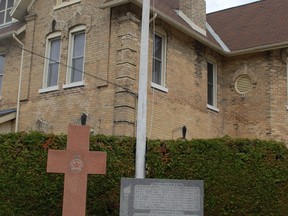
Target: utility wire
column 73, row 68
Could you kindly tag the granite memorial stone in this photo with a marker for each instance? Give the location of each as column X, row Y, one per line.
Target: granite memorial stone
column 161, row 197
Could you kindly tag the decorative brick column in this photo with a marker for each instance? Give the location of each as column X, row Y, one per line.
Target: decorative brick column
column 126, row 75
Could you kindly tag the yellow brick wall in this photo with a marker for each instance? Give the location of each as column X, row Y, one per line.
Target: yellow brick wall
column 112, row 53
column 262, row 112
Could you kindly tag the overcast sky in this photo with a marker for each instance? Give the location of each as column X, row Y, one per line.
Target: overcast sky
column 215, row 5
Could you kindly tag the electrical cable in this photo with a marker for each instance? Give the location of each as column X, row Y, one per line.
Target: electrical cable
column 70, row 67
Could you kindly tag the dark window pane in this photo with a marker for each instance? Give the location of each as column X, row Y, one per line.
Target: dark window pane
column 2, row 17
column 79, row 42
column 2, row 61
column 53, row 74
column 77, row 72
column 210, row 84
column 55, row 50
column 8, row 17
column 210, row 95
column 2, row 5
column 210, row 73
column 157, row 47
column 10, row 3
column 1, row 80
column 157, row 72
column 1, row 83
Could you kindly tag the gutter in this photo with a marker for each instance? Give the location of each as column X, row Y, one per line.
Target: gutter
column 20, row 83
column 258, row 49
column 196, row 35
column 6, row 35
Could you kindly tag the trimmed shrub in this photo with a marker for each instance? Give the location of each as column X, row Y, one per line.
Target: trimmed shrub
column 241, row 176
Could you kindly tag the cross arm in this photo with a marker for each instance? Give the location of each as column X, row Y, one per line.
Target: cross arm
column 56, row 161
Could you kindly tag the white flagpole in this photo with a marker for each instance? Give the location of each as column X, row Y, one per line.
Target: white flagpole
column 142, row 93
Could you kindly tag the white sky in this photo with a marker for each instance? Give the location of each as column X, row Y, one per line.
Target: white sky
column 215, row 5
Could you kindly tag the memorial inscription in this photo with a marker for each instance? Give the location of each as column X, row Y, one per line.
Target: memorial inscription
column 155, row 197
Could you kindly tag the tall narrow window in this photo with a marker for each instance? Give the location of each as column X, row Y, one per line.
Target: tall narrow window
column 2, row 61
column 75, row 70
column 211, row 85
column 158, row 70
column 5, row 8
column 52, row 62
column 77, row 59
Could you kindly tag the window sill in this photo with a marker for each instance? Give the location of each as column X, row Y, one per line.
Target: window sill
column 159, row 87
column 213, row 108
column 48, row 89
column 65, row 4
column 73, row 85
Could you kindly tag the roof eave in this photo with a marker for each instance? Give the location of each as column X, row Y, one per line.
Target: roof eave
column 9, row 34
column 20, row 9
column 8, row 116
column 169, row 20
column 114, row 3
column 199, row 37
column 262, row 48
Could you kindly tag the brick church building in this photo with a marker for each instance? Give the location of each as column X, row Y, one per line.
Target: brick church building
column 217, row 74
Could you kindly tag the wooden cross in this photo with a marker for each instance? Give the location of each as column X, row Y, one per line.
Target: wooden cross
column 76, row 162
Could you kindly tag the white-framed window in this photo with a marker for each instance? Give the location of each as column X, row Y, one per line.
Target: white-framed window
column 64, row 3
column 75, row 69
column 2, row 62
column 52, row 62
column 5, row 8
column 212, row 86
column 159, row 62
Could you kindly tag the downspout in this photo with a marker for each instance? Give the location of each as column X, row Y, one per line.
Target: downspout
column 20, row 83
column 287, row 83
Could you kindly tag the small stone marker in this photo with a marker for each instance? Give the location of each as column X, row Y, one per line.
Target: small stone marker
column 161, row 197
column 76, row 162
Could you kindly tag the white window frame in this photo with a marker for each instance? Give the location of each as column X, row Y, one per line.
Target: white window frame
column 7, row 10
column 162, row 85
column 2, row 74
column 61, row 3
column 49, row 39
column 213, row 106
column 74, row 31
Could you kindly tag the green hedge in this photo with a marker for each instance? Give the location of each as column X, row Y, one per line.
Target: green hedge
column 241, row 176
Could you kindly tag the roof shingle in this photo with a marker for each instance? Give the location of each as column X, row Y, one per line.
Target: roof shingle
column 252, row 25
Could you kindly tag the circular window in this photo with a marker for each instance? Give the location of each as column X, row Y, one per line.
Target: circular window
column 243, row 84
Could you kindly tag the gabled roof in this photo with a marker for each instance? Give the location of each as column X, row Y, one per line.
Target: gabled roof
column 9, row 30
column 166, row 10
column 5, row 112
column 7, row 115
column 253, row 25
